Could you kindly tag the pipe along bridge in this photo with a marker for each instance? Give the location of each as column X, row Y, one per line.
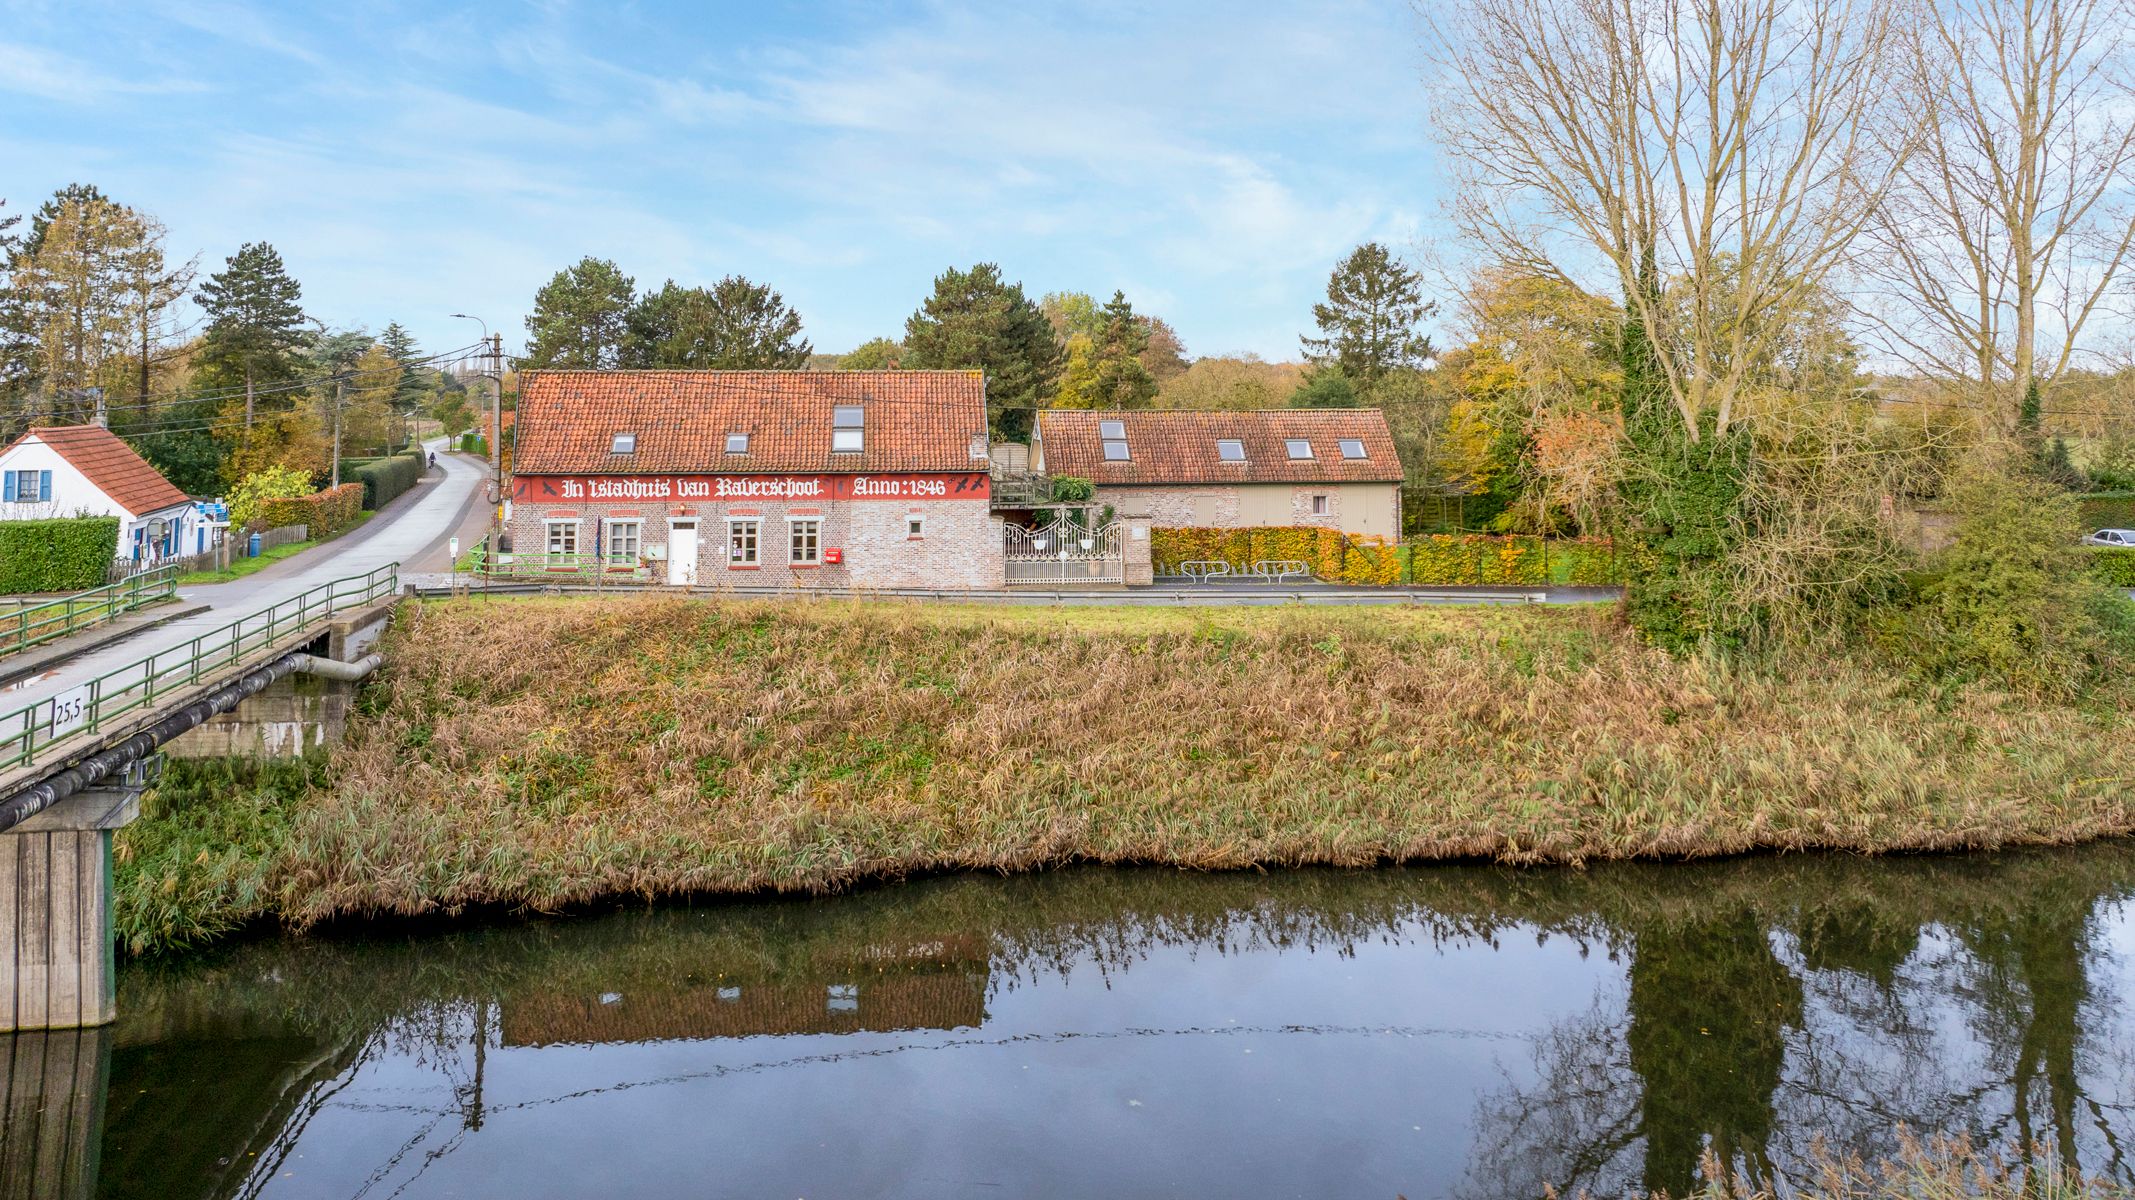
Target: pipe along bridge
column 73, row 764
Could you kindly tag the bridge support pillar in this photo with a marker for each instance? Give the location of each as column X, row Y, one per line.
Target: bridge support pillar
column 56, row 968
column 52, row 1115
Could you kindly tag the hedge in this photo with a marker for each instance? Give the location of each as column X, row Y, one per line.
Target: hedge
column 2115, row 567
column 1444, row 560
column 326, row 513
column 385, row 478
column 57, row 554
column 2107, row 510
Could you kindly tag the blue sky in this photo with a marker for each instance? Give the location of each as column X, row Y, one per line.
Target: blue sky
column 410, row 161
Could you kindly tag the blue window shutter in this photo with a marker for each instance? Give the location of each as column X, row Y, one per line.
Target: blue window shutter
column 7, row 487
column 44, row 485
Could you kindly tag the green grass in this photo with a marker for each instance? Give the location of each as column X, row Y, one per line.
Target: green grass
column 545, row 752
column 239, row 568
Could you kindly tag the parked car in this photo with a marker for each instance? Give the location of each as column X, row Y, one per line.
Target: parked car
column 2124, row 538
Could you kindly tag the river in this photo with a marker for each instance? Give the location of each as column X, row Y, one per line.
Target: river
column 1439, row 1032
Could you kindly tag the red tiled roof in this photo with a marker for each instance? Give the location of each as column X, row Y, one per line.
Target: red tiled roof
column 111, row 465
column 1180, row 447
column 915, row 421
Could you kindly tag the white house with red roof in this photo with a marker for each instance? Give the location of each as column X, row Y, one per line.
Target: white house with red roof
column 85, row 470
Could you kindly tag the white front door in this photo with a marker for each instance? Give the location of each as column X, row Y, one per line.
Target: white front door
column 682, row 555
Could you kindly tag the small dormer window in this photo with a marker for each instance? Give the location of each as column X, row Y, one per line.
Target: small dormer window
column 624, row 443
column 1353, row 448
column 1298, row 447
column 848, row 429
column 1230, row 450
column 737, row 443
column 1114, row 436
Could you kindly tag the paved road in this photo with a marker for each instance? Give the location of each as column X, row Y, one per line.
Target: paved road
column 414, row 525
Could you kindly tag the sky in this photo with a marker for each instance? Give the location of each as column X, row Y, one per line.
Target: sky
column 410, row 161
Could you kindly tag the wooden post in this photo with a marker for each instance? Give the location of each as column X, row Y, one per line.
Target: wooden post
column 56, row 960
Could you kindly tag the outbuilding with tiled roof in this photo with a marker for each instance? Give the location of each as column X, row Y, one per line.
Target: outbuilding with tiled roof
column 86, row 470
column 741, row 478
column 1334, row 467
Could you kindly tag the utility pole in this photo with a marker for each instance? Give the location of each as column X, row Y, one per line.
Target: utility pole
column 337, row 431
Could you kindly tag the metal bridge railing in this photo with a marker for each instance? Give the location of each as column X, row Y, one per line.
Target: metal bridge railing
column 34, row 729
column 36, row 624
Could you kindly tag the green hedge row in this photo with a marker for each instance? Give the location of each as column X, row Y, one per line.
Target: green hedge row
column 58, row 554
column 2116, row 567
column 325, row 513
column 385, row 478
column 2107, row 510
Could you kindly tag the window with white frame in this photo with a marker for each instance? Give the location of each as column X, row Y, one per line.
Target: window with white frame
column 848, row 429
column 563, row 537
column 1230, row 449
column 741, row 541
column 623, row 537
column 1319, row 505
column 624, row 443
column 29, row 487
column 737, row 443
column 1353, row 448
column 806, row 534
column 1298, row 447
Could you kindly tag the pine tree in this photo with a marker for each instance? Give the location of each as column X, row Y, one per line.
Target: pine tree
column 1122, row 380
column 734, row 326
column 977, row 321
column 73, row 282
column 1368, row 324
column 414, row 388
column 255, row 320
column 581, row 317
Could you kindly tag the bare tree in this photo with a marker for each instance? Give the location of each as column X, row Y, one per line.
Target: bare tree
column 1719, row 157
column 2013, row 220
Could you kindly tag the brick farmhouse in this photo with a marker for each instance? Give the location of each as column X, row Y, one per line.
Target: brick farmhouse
column 1334, row 468
column 861, row 479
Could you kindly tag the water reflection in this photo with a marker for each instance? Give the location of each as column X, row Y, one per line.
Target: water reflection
column 1429, row 1032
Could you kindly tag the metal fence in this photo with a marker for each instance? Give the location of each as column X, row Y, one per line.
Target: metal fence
column 35, row 729
column 562, row 567
column 1063, row 552
column 36, row 624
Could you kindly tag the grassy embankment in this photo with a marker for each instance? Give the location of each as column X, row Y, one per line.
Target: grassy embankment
column 241, row 567
column 544, row 752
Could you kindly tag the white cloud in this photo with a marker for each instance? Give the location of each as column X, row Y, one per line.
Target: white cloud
column 52, row 76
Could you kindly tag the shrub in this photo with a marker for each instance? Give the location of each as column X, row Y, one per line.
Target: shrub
column 256, row 489
column 2013, row 598
column 325, row 513
column 1072, row 489
column 385, row 478
column 1444, row 560
column 2106, row 510
column 57, row 554
column 2114, row 568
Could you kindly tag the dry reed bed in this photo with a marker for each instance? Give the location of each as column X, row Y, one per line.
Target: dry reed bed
column 541, row 753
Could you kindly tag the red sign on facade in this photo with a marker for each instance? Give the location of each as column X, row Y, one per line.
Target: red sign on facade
column 542, row 489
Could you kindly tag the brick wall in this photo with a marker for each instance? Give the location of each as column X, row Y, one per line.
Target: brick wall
column 1351, row 507
column 959, row 544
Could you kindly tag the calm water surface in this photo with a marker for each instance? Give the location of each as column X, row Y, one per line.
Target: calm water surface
column 1438, row 1032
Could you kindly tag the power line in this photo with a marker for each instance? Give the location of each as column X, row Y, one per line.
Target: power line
column 458, row 354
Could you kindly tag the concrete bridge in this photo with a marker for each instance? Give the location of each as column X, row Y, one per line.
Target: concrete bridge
column 72, row 757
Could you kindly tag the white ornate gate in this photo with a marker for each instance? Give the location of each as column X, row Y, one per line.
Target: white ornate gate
column 1064, row 552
